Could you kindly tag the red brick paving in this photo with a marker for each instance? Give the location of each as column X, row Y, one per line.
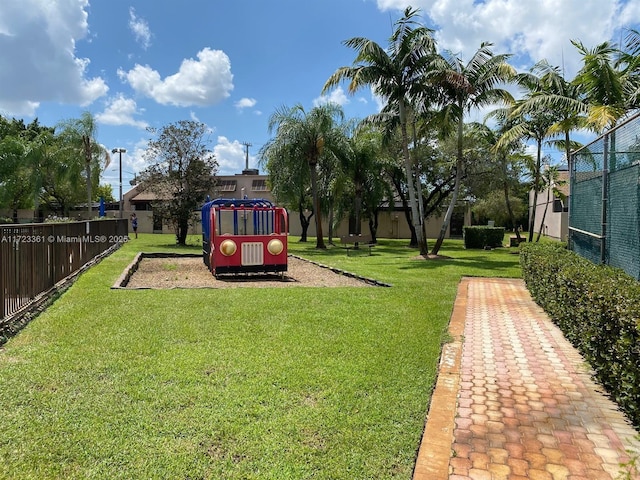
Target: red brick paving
column 514, row 400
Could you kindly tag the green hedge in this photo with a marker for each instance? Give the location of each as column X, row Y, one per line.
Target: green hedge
column 597, row 308
column 481, row 236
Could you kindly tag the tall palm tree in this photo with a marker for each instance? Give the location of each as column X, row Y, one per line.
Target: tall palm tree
column 536, row 125
column 549, row 90
column 602, row 84
column 79, row 134
column 308, row 136
column 395, row 74
column 629, row 62
column 464, row 87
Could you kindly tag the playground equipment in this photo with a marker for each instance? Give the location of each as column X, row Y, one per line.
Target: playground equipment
column 242, row 236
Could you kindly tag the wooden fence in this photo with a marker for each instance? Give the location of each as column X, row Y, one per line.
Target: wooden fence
column 35, row 257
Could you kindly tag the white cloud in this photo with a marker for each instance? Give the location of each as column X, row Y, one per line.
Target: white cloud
column 381, row 102
column 246, row 103
column 37, row 55
column 121, row 111
column 531, row 31
column 336, row 96
column 202, row 82
column 231, row 156
column 140, row 29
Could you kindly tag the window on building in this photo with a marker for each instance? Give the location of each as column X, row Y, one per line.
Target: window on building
column 259, row 185
column 227, row 185
column 558, row 206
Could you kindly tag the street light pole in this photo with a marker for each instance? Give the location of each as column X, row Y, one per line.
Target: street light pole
column 120, row 151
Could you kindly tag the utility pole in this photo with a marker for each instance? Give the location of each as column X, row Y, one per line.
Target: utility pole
column 246, row 145
column 120, row 151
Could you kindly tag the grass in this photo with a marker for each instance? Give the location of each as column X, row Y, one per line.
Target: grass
column 323, row 383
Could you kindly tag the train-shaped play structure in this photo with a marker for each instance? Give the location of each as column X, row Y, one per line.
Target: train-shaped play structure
column 244, row 236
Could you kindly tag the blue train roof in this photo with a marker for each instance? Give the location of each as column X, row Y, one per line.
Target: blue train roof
column 238, row 202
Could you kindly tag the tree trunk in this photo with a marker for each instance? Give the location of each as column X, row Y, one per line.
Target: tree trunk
column 87, row 159
column 536, row 186
column 507, row 200
column 183, row 229
column 373, row 227
column 544, row 213
column 456, row 189
column 304, row 221
column 510, row 210
column 316, row 206
column 415, row 214
column 330, row 227
column 424, row 248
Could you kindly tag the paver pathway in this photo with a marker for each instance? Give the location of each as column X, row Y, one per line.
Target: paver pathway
column 514, row 400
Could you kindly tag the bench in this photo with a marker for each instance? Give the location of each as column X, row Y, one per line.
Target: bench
column 354, row 241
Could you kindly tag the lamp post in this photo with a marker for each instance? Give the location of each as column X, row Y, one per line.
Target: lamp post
column 120, row 151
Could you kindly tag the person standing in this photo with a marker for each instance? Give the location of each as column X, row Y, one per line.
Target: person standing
column 134, row 224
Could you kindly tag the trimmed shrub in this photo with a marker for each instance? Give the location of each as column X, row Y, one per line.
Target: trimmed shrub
column 597, row 307
column 480, row 236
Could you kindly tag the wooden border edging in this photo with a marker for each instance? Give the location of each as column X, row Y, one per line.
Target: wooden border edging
column 435, row 447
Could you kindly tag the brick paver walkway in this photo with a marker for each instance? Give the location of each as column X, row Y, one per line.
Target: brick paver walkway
column 514, row 400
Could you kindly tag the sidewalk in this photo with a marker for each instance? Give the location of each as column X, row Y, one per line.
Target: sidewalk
column 514, row 400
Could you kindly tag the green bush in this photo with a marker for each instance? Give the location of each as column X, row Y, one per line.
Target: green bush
column 598, row 309
column 481, row 236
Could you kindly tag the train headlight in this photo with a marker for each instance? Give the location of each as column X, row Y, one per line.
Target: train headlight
column 275, row 247
column 228, row 248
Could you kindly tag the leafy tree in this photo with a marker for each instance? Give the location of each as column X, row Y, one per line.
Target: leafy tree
column 464, row 87
column 105, row 192
column 15, row 187
column 181, row 174
column 308, row 136
column 20, row 168
column 395, row 74
column 492, row 206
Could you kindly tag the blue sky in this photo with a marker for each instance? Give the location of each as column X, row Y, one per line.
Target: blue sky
column 231, row 63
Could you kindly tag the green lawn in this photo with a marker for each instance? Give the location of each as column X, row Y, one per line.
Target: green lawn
column 323, row 383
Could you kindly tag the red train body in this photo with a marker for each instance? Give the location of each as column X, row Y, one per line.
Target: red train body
column 241, row 236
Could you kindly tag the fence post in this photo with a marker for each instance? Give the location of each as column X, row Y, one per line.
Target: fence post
column 605, row 197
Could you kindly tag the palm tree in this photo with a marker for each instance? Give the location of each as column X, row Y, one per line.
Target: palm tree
column 308, row 136
column 536, row 125
column 608, row 80
column 602, row 85
column 79, row 135
column 508, row 162
column 464, row 87
column 289, row 180
column 395, row 74
column 549, row 90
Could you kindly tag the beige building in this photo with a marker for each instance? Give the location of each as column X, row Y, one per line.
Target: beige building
column 252, row 184
column 556, row 220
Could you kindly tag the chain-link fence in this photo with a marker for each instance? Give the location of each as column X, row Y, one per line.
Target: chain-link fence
column 604, row 209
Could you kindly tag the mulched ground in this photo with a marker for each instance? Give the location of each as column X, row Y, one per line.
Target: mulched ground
column 190, row 272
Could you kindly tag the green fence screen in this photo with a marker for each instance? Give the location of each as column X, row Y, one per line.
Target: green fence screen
column 604, row 209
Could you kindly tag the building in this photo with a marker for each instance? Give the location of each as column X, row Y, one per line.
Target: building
column 556, row 220
column 252, row 184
